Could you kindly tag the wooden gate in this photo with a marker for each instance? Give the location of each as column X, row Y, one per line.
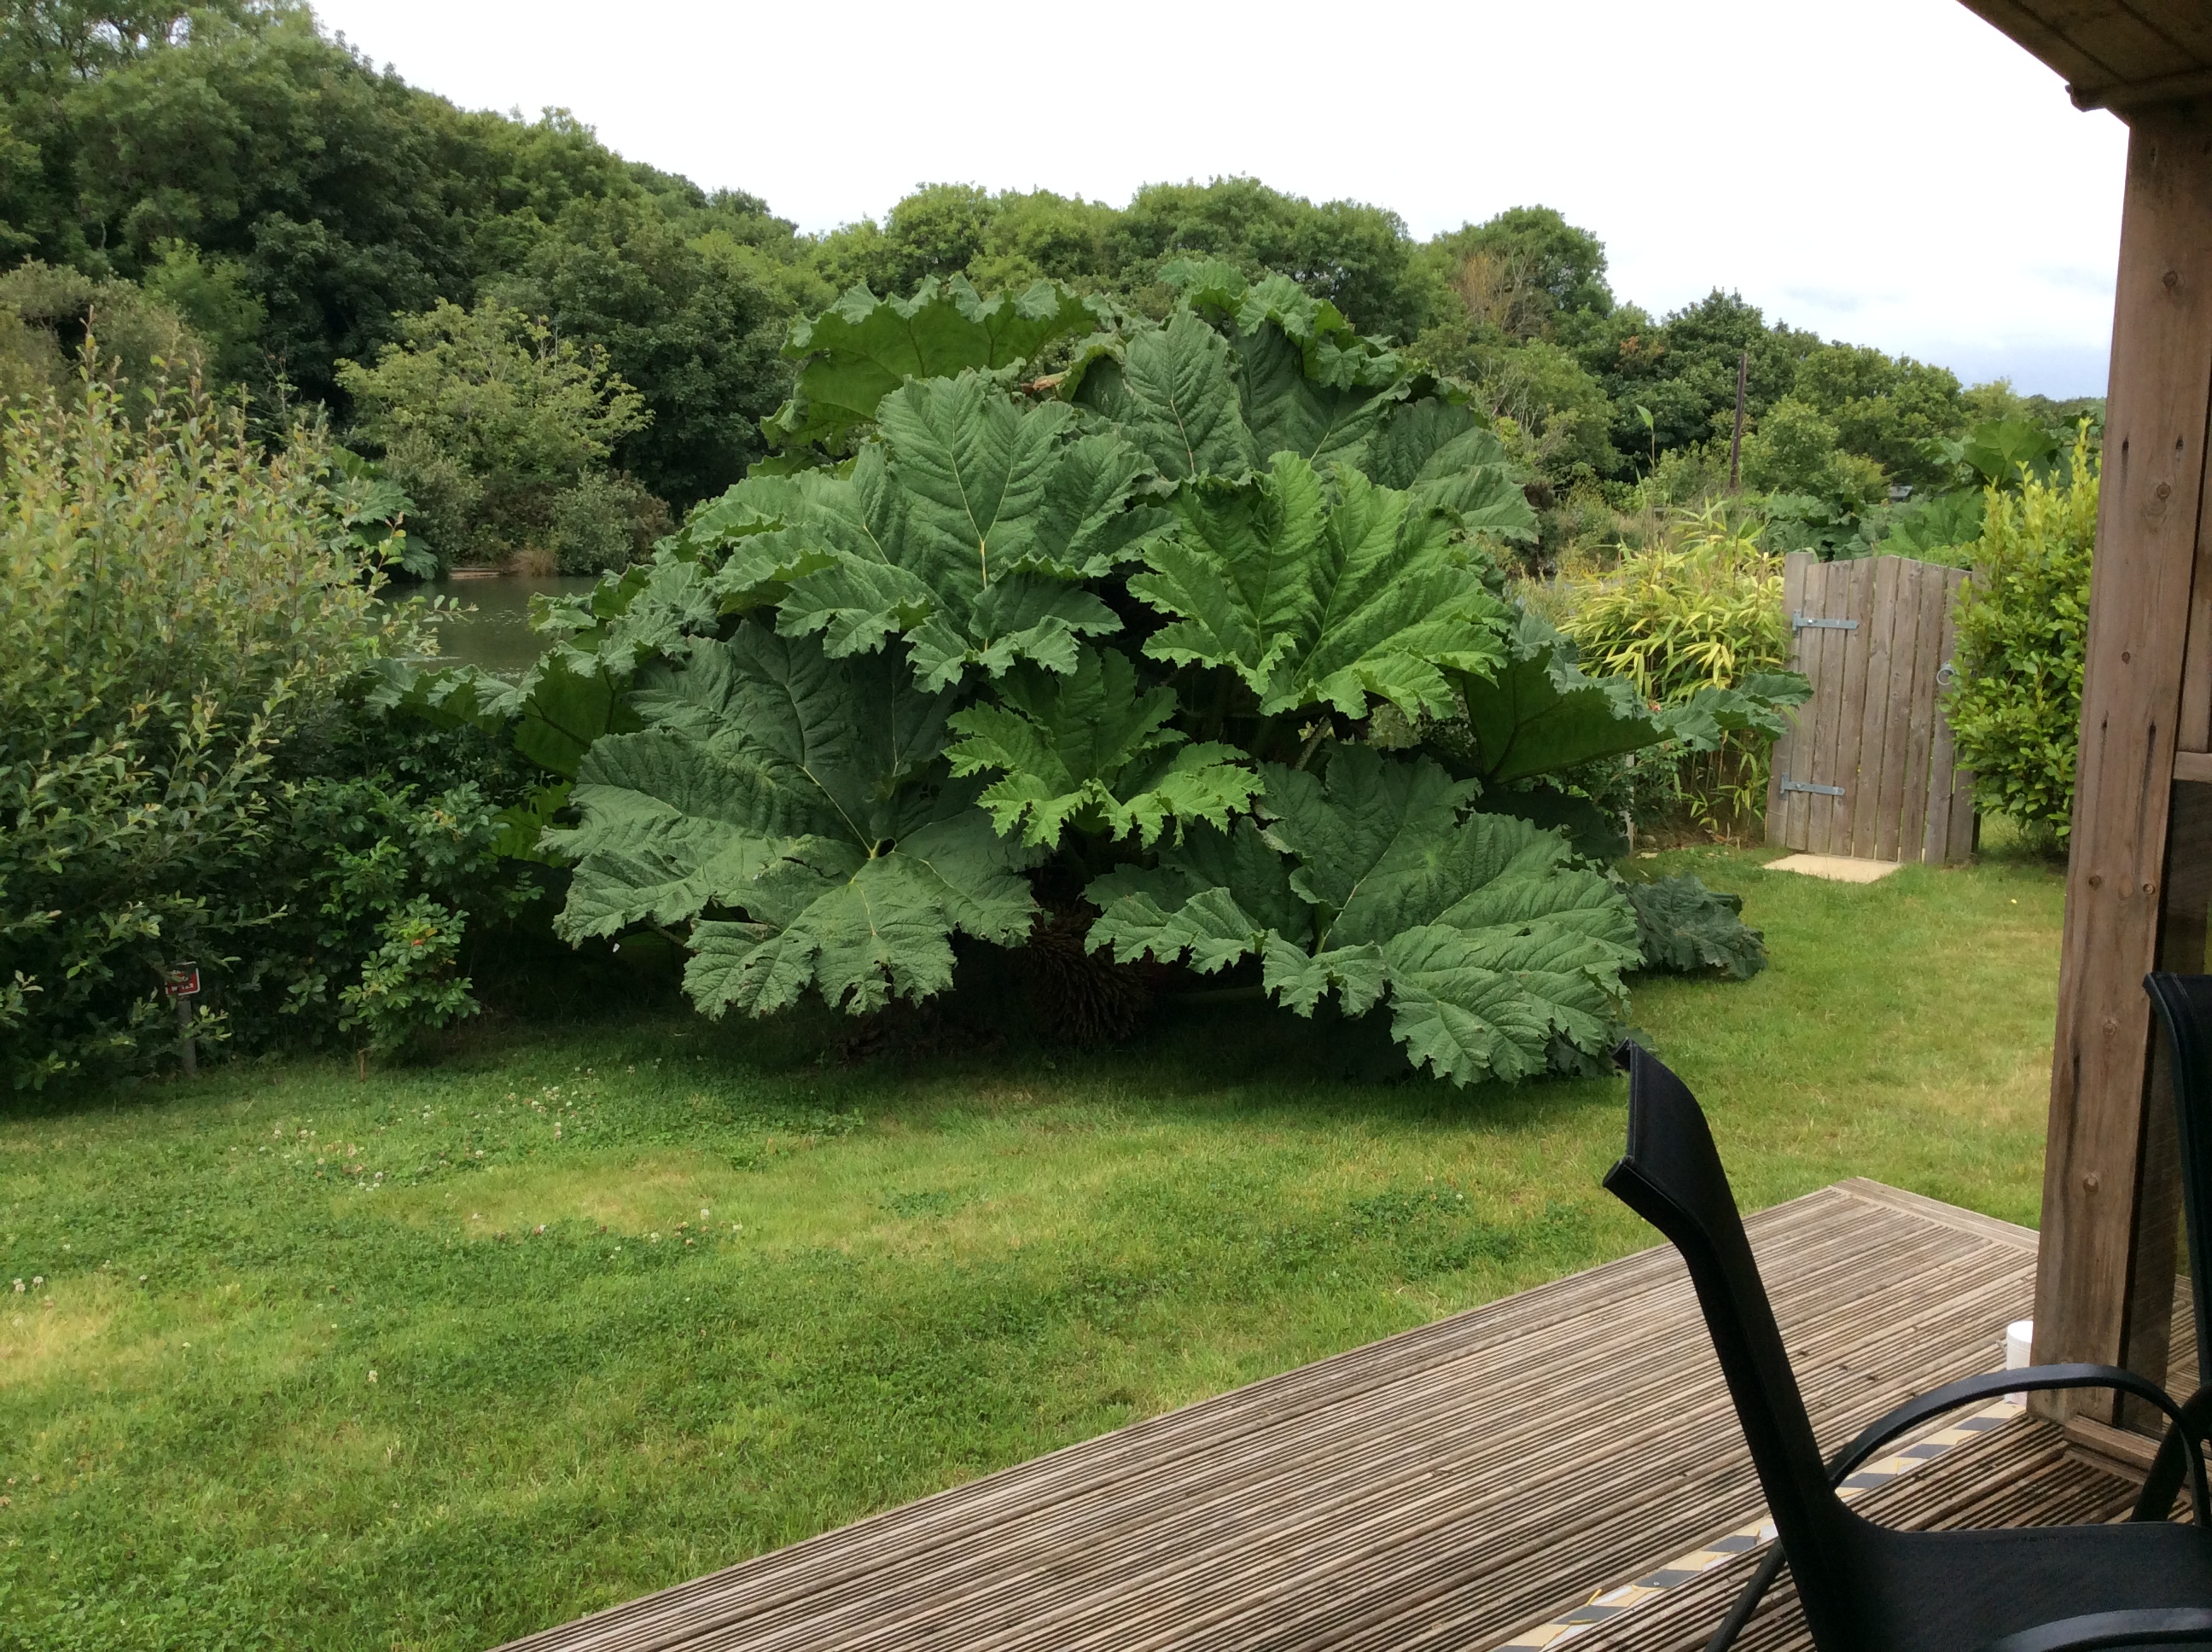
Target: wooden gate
column 1868, row 770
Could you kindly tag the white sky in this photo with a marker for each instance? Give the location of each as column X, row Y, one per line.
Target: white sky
column 1891, row 172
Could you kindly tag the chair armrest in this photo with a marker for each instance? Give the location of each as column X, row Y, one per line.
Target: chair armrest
column 2155, row 1626
column 2165, row 1477
column 1925, row 1407
column 1933, row 1404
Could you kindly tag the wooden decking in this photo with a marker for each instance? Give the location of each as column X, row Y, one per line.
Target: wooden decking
column 1449, row 1487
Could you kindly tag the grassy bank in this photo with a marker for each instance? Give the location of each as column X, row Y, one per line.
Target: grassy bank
column 463, row 1351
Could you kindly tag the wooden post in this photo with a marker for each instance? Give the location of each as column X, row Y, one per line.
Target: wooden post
column 2106, row 1264
column 1735, row 442
column 185, row 1054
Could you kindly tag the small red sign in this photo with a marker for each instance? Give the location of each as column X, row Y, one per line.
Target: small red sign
column 182, row 982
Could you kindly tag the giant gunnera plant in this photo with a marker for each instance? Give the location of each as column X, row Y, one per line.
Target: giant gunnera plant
column 1193, row 627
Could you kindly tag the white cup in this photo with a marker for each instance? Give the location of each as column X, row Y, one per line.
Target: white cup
column 2020, row 1345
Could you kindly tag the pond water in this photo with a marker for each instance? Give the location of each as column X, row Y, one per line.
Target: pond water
column 497, row 635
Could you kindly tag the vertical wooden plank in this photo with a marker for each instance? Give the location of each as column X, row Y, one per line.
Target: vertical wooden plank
column 2091, row 1271
column 1851, row 708
column 1927, row 657
column 1778, row 804
column 1866, row 807
column 1835, row 599
column 1889, row 808
column 1812, row 593
column 1942, row 797
column 1963, row 809
column 1813, row 647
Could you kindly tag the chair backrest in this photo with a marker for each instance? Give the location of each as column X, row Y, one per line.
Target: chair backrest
column 1672, row 1177
column 2184, row 1002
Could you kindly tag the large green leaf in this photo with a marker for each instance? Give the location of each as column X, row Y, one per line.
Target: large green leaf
column 1309, row 384
column 806, row 797
column 1089, row 749
column 863, row 348
column 861, row 929
column 1317, row 602
column 1214, row 898
column 1539, row 713
column 1173, row 395
column 444, row 696
column 1440, row 451
column 1496, row 956
column 1332, row 354
column 971, row 525
column 566, row 706
column 1685, row 928
column 1288, row 411
column 1756, row 705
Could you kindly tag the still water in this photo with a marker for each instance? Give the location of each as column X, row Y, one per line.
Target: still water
column 497, row 635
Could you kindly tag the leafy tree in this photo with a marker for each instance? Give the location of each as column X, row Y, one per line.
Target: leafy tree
column 1355, row 256
column 685, row 319
column 1683, row 369
column 293, row 203
column 46, row 315
column 1797, row 449
column 1885, row 409
column 1527, row 272
column 499, row 431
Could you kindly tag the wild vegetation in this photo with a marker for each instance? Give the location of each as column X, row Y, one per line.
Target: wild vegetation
column 1519, row 588
column 188, row 767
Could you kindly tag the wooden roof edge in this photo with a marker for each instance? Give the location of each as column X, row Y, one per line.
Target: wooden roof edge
column 2123, row 95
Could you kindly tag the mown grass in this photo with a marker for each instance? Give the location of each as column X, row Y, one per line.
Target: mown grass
column 463, row 1351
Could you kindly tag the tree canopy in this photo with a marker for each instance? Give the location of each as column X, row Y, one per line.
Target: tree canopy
column 289, row 206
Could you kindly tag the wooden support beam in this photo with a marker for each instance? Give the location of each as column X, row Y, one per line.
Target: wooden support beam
column 2107, row 1225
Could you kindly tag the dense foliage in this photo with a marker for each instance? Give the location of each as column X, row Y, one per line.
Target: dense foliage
column 2023, row 634
column 500, row 433
column 180, row 611
column 1135, row 650
column 1699, row 607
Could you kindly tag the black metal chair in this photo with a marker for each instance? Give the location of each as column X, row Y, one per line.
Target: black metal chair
column 1864, row 1588
column 2184, row 1004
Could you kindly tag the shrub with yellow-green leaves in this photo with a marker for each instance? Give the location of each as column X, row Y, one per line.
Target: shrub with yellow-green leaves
column 1700, row 607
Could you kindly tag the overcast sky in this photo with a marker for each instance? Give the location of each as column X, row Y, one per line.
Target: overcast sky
column 1889, row 172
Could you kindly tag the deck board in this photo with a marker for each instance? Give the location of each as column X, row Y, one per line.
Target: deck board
column 1442, row 1488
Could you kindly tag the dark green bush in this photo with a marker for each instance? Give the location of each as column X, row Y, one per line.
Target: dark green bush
column 2023, row 623
column 182, row 618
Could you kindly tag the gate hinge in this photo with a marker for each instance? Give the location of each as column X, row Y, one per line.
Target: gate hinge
column 1801, row 621
column 1789, row 785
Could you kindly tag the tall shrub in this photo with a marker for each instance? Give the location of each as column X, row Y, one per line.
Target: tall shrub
column 502, row 432
column 2023, row 623
column 173, row 601
column 1699, row 608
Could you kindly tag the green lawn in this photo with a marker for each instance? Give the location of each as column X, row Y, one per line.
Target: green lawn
column 463, row 1351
